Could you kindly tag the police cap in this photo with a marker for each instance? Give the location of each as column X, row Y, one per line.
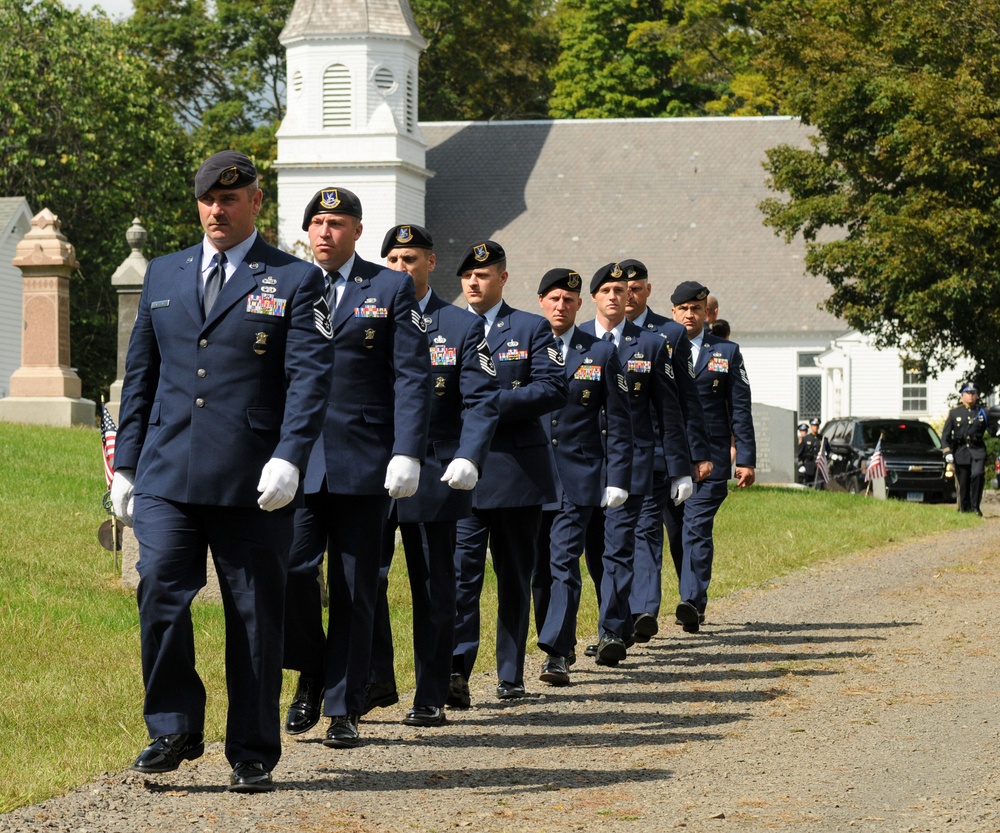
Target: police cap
column 225, row 169
column 969, row 387
column 331, row 201
column 479, row 255
column 608, row 273
column 689, row 291
column 406, row 237
column 803, row 426
column 814, row 421
column 560, row 279
column 635, row 270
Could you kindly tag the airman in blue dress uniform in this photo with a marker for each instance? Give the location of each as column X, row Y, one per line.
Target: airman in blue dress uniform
column 518, row 475
column 226, row 383
column 374, row 439
column 653, row 398
column 464, row 414
column 725, row 395
column 647, row 583
column 591, row 441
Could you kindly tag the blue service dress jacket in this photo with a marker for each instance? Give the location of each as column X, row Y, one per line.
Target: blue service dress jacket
column 591, row 435
column 722, row 382
column 519, row 470
column 679, row 349
column 464, row 410
column 206, row 403
column 381, row 384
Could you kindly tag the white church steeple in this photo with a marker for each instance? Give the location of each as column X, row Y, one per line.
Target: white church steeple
column 351, row 118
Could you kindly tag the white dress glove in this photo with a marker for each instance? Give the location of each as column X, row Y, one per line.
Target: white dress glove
column 461, row 474
column 949, row 457
column 402, row 476
column 279, row 481
column 614, row 497
column 122, row 502
column 681, row 488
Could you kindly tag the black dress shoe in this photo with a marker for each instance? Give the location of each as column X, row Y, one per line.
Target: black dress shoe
column 343, row 732
column 688, row 616
column 458, row 692
column 590, row 651
column 571, row 658
column 425, row 716
column 645, row 627
column 509, row 691
column 250, row 777
column 610, row 649
column 303, row 713
column 554, row 671
column 379, row 695
column 166, row 753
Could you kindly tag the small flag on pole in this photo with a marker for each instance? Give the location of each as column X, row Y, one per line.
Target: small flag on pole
column 108, row 433
column 876, row 465
column 821, row 464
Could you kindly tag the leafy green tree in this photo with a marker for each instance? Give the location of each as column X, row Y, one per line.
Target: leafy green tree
column 899, row 197
column 83, row 134
column 484, row 61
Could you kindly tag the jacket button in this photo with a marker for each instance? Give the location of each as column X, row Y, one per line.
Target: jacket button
column 203, row 342
column 202, row 373
column 555, row 422
column 200, row 402
column 555, row 441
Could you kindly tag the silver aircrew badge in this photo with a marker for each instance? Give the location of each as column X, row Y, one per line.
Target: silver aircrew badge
column 268, row 281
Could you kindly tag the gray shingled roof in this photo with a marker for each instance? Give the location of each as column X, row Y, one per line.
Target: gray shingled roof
column 680, row 195
column 318, row 18
column 8, row 208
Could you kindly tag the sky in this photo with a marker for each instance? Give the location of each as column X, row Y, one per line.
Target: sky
column 112, row 8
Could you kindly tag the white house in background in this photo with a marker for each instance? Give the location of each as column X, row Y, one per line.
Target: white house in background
column 15, row 222
column 681, row 195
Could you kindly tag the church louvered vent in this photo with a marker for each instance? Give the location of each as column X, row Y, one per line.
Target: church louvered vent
column 337, row 96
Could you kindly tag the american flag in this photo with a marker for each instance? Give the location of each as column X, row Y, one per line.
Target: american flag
column 108, row 433
column 821, row 465
column 876, row 466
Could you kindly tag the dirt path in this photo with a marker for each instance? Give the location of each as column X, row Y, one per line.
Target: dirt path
column 860, row 695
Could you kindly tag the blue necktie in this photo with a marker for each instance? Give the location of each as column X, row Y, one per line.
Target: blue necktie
column 213, row 283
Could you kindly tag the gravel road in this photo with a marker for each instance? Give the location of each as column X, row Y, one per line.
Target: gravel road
column 858, row 695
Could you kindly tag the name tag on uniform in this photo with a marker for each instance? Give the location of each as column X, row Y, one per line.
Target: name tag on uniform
column 371, row 311
column 588, row 373
column 640, row 366
column 443, row 356
column 717, row 364
column 266, row 305
column 159, row 304
column 513, row 355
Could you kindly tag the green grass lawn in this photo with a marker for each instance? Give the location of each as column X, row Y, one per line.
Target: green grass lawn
column 70, row 682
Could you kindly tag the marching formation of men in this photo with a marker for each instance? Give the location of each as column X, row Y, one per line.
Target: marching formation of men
column 275, row 411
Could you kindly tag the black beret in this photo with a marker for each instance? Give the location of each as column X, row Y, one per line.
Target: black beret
column 406, row 237
column 560, row 279
column 610, row 272
column 689, row 291
column 226, row 169
column 481, row 254
column 635, row 270
column 331, row 201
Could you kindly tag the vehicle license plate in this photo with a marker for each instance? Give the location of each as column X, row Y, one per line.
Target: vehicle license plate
column 917, row 497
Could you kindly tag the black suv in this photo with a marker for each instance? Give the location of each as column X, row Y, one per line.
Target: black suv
column 915, row 464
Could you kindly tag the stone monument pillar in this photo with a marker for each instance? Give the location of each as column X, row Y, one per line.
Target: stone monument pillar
column 45, row 390
column 127, row 280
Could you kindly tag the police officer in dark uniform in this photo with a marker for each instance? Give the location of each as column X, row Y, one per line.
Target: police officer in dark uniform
column 807, row 452
column 226, row 383
column 374, row 439
column 591, row 437
column 518, row 476
column 464, row 413
column 963, row 441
